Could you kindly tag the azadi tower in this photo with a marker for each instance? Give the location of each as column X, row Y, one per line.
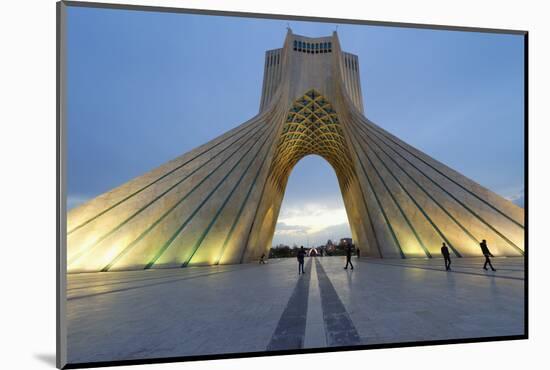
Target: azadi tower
column 219, row 203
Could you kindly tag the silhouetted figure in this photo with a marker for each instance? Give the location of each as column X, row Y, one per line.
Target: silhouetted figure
column 446, row 256
column 262, row 261
column 487, row 254
column 358, row 252
column 301, row 254
column 348, row 257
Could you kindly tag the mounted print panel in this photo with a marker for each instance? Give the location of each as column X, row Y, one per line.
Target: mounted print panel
column 243, row 185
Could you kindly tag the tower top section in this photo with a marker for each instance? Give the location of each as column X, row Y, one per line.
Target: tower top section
column 305, row 63
column 310, row 45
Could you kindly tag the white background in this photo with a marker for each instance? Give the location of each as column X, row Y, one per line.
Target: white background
column 27, row 201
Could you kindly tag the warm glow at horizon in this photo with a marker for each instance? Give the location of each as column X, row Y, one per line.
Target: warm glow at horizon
column 311, row 218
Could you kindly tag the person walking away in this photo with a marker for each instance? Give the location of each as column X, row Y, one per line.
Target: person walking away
column 358, row 251
column 446, row 256
column 301, row 254
column 262, row 261
column 348, row 257
column 487, row 254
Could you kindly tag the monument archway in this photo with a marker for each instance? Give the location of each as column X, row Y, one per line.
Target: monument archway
column 312, row 127
column 219, row 203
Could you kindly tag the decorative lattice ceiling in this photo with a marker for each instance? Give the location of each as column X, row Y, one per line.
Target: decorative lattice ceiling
column 311, row 127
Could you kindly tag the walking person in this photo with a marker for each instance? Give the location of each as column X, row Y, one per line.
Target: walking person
column 487, row 254
column 262, row 261
column 348, row 257
column 358, row 251
column 301, row 254
column 446, row 256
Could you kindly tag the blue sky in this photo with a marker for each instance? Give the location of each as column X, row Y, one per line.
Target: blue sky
column 146, row 87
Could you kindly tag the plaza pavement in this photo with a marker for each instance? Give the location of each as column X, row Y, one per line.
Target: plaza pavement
column 247, row 308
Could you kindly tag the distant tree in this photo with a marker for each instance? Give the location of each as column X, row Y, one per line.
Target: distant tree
column 280, row 251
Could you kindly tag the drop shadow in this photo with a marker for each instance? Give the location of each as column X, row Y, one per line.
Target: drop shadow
column 47, row 358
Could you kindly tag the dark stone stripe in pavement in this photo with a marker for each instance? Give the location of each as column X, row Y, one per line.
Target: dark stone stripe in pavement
column 291, row 329
column 339, row 328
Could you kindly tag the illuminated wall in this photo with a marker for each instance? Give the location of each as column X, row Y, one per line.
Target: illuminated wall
column 219, row 203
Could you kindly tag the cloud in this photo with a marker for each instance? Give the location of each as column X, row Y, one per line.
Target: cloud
column 74, row 201
column 313, row 216
column 283, row 228
column 519, row 198
column 520, row 201
column 311, row 222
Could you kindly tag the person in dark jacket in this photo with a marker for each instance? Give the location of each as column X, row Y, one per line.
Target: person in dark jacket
column 262, row 260
column 446, row 256
column 487, row 254
column 358, row 252
column 301, row 254
column 348, row 257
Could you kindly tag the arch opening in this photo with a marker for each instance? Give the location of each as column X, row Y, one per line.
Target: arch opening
column 312, row 209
